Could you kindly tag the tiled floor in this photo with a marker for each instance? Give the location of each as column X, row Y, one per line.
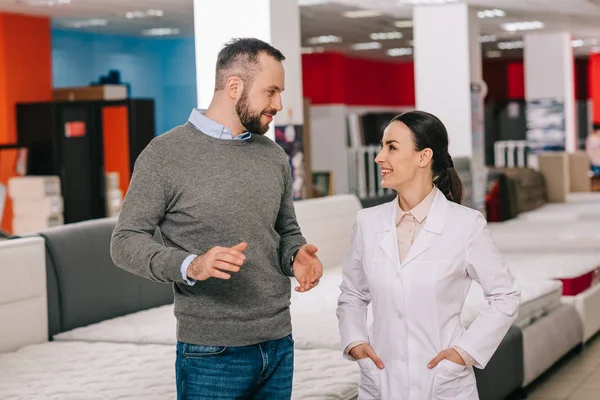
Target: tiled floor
column 575, row 378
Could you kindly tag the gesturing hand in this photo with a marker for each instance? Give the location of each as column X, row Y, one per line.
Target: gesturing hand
column 307, row 268
column 365, row 350
column 218, row 259
column 448, row 354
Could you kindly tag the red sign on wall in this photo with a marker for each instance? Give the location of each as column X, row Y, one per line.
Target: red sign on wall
column 75, row 129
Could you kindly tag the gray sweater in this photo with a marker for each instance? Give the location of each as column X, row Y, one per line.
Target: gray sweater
column 204, row 192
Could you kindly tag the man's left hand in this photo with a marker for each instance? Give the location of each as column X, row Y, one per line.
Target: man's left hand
column 307, row 267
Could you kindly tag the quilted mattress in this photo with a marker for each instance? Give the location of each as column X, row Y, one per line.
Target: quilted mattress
column 577, row 271
column 101, row 371
column 538, row 298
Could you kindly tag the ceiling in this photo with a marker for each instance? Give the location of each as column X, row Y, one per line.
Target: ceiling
column 577, row 16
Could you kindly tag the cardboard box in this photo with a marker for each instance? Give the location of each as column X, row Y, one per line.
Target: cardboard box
column 100, row 92
column 579, row 169
column 33, row 187
column 554, row 166
column 25, row 225
column 38, row 206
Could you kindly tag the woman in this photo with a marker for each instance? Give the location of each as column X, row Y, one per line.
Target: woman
column 416, row 267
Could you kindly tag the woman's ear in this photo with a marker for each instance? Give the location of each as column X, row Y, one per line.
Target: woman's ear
column 234, row 87
column 425, row 157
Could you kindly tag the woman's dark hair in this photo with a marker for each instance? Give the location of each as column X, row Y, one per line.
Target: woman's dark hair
column 429, row 132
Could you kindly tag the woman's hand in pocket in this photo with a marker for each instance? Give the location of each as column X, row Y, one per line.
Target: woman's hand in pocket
column 365, row 350
column 448, row 354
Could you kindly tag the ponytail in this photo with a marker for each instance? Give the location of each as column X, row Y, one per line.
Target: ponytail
column 448, row 181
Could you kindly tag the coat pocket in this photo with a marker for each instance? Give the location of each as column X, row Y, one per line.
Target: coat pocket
column 454, row 382
column 369, row 386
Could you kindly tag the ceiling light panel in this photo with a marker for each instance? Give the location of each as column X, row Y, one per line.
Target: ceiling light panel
column 386, row 35
column 362, row 14
column 325, row 39
column 399, row 52
column 366, row 46
column 517, row 44
column 404, row 24
column 86, row 23
column 45, row 3
column 160, row 32
column 311, row 50
column 425, row 2
column 302, row 3
column 495, row 13
column 487, row 38
column 522, row 26
column 138, row 14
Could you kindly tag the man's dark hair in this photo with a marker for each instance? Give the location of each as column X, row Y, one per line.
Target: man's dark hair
column 240, row 57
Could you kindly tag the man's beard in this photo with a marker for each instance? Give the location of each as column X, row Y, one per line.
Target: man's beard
column 249, row 120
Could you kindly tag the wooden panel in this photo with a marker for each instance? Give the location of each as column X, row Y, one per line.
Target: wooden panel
column 115, row 127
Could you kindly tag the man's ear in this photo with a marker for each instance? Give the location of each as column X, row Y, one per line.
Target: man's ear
column 234, row 87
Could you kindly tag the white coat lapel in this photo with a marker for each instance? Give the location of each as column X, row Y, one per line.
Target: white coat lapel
column 434, row 225
column 389, row 241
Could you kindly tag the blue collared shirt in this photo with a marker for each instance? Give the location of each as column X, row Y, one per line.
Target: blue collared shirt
column 216, row 130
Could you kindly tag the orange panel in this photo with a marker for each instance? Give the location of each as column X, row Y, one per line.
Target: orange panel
column 25, row 76
column 115, row 126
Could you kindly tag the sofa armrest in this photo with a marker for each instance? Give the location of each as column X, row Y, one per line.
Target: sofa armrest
column 23, row 302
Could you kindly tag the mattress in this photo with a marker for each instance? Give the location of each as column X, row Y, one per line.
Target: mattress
column 538, row 298
column 100, row 371
column 577, row 271
column 314, row 321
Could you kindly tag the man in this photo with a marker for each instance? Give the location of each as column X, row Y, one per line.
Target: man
column 221, row 193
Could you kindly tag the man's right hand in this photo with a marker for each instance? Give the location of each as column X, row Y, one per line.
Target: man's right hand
column 365, row 350
column 218, row 259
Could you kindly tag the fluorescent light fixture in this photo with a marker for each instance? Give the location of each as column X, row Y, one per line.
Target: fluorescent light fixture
column 45, row 3
column 362, row 14
column 325, row 39
column 425, row 2
column 404, row 24
column 386, row 35
column 366, row 46
column 311, row 50
column 399, row 52
column 584, row 42
column 86, row 23
column 494, row 54
column 144, row 14
column 312, row 2
column 487, row 38
column 522, row 26
column 495, row 13
column 517, row 44
column 160, row 32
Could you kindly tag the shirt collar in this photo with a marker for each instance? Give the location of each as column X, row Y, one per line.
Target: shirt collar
column 420, row 211
column 212, row 128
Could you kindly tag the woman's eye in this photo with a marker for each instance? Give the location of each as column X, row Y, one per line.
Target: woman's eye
column 392, row 148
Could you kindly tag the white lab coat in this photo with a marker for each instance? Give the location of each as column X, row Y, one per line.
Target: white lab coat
column 417, row 303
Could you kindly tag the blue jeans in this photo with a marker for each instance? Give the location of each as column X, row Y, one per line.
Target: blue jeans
column 261, row 371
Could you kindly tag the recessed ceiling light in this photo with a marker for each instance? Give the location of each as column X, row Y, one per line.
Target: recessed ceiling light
column 386, row 35
column 419, row 2
column 487, row 38
column 495, row 13
column 399, row 52
column 160, row 32
column 366, row 46
column 522, row 26
column 517, row 44
column 584, row 42
column 311, row 2
column 404, row 24
column 45, row 3
column 86, row 23
column 362, row 14
column 494, row 54
column 325, row 39
column 311, row 50
column 144, row 14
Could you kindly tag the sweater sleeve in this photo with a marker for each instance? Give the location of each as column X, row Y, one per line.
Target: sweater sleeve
column 132, row 246
column 287, row 227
